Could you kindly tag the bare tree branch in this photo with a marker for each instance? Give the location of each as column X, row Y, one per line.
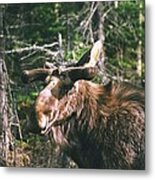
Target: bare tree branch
column 35, row 48
column 92, row 11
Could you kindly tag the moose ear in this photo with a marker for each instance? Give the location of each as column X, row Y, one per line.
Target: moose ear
column 96, row 53
column 92, row 56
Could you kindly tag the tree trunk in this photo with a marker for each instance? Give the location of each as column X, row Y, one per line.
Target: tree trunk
column 5, row 131
column 7, row 115
column 139, row 47
column 101, row 36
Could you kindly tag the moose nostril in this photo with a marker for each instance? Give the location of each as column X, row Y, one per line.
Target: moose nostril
column 43, row 129
column 43, row 122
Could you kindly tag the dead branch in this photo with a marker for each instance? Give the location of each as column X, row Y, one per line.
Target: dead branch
column 92, row 11
column 34, row 47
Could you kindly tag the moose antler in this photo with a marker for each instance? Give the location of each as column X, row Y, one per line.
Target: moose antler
column 73, row 73
column 76, row 73
column 37, row 74
column 86, row 68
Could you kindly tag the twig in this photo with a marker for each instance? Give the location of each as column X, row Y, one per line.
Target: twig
column 27, row 56
column 34, row 47
column 90, row 17
column 106, row 13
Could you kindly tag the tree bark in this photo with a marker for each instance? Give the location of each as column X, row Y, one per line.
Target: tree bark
column 6, row 139
column 139, row 47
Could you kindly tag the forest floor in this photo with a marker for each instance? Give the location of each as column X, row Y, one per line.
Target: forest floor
column 37, row 152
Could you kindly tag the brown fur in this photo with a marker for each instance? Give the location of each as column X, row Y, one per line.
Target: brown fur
column 98, row 126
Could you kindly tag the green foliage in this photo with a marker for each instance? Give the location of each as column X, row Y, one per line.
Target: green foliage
column 26, row 25
column 39, row 24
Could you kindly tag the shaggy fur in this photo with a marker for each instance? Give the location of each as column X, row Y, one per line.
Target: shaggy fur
column 97, row 126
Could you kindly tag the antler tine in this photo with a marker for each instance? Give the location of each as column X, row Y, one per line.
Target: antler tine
column 37, row 74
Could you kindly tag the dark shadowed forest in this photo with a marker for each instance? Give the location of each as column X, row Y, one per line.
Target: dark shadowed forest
column 33, row 34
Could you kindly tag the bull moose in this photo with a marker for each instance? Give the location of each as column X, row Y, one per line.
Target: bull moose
column 97, row 125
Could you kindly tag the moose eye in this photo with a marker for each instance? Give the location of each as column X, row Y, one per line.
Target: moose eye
column 53, row 83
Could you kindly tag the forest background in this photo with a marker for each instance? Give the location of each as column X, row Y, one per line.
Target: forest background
column 31, row 34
